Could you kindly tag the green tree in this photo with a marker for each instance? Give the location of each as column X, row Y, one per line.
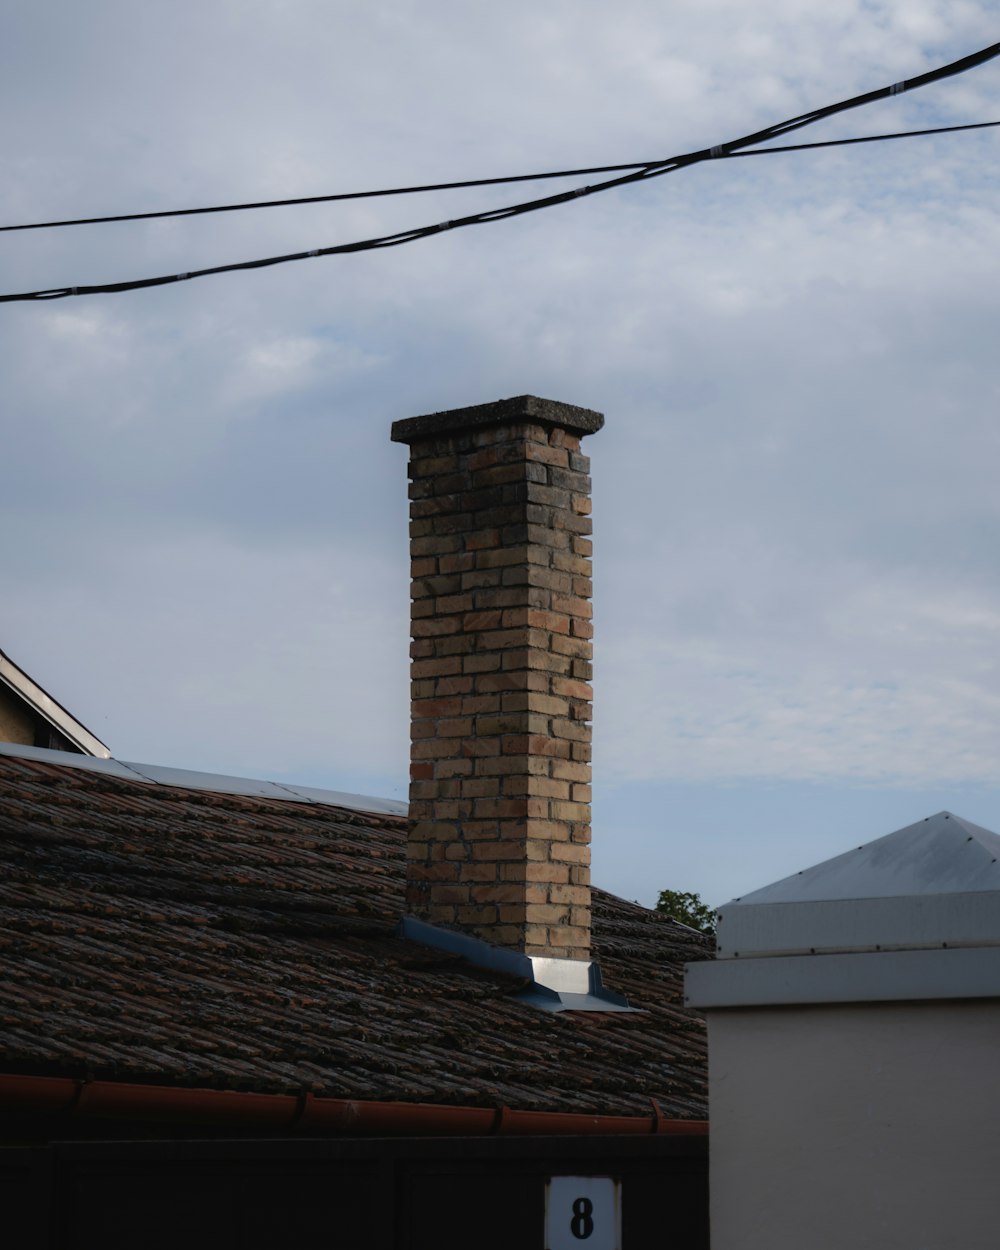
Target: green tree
column 688, row 909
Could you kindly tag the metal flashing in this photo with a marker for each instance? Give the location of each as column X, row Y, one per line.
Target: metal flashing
column 555, row 984
column 887, row 976
column 42, row 703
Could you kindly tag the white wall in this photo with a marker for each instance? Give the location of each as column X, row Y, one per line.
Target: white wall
column 851, row 1126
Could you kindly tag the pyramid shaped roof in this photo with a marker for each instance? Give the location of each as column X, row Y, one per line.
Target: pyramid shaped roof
column 934, row 883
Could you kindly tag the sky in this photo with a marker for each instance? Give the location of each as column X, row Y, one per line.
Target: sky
column 796, row 515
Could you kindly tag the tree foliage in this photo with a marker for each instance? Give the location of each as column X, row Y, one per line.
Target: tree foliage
column 688, row 909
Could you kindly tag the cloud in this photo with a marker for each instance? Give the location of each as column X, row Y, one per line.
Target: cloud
column 795, row 506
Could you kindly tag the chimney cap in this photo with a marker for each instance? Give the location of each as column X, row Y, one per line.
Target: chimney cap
column 528, row 408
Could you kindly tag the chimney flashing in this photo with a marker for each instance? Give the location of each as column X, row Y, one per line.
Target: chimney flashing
column 555, row 984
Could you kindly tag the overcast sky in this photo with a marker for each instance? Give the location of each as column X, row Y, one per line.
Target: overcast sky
column 797, row 602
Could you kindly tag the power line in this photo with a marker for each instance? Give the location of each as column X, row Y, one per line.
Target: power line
column 842, row 143
column 462, row 185
column 653, row 169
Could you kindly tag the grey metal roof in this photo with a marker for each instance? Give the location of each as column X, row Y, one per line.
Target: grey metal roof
column 931, row 884
column 938, row 855
column 217, row 783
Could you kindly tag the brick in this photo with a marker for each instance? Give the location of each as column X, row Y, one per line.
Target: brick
column 433, row 872
column 573, row 606
column 454, row 603
column 538, row 787
column 434, row 628
column 570, row 770
column 454, row 767
column 533, row 701
column 570, row 688
column 435, row 914
column 562, row 438
column 484, row 808
column 540, row 745
column 475, row 914
column 478, row 704
column 513, row 913
column 434, row 708
column 577, row 566
column 432, row 466
column 501, row 556
column 434, row 546
column 444, row 686
column 436, row 667
column 547, row 455
column 498, row 893
column 498, row 850
column 460, row 562
column 479, row 578
column 451, row 893
column 570, row 853
column 547, row 872
column 475, row 748
column 481, row 539
column 541, row 661
column 512, row 765
column 564, row 520
column 577, row 894
column 562, row 728
column 480, row 663
column 477, row 873
column 578, row 648
column 483, row 620
column 537, row 618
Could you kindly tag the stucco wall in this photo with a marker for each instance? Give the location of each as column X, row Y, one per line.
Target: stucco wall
column 856, row 1126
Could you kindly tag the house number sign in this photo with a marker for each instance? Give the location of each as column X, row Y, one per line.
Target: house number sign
column 583, row 1213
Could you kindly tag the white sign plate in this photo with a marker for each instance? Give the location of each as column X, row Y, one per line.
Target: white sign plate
column 583, row 1213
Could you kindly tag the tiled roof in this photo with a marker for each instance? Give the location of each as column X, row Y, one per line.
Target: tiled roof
column 152, row 933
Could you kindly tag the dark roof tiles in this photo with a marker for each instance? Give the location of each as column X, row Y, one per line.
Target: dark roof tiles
column 153, row 933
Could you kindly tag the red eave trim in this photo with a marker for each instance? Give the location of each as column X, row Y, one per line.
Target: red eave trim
column 55, row 1095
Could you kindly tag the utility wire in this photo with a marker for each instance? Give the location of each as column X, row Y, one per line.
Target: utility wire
column 842, row 143
column 653, row 169
column 466, row 183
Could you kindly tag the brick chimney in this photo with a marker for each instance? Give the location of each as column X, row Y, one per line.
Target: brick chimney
column 499, row 839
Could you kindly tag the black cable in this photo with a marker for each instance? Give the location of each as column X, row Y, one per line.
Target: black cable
column 455, row 186
column 653, row 169
column 843, row 143
column 328, row 199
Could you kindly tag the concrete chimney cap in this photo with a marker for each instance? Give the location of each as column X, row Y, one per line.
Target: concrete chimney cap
column 519, row 408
